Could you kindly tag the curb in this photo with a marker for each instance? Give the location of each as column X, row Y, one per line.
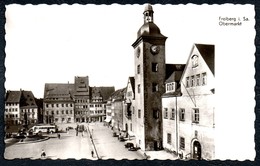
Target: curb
column 34, row 141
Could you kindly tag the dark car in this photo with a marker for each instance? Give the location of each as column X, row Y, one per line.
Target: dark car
column 132, row 148
column 129, row 145
column 121, row 138
column 115, row 134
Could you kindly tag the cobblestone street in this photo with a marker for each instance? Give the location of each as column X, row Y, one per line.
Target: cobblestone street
column 75, row 147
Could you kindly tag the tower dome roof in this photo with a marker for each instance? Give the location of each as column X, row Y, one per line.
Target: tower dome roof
column 149, row 29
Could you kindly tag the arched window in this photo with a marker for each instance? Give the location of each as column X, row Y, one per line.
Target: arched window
column 194, row 59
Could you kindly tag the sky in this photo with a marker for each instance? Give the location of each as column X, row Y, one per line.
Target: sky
column 53, row 44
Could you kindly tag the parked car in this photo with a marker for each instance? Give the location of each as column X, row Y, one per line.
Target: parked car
column 115, row 134
column 129, row 145
column 132, row 148
column 121, row 138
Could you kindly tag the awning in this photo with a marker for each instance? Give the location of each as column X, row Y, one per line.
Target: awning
column 108, row 119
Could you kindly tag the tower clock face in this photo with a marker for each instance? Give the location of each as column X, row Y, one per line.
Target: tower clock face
column 155, row 49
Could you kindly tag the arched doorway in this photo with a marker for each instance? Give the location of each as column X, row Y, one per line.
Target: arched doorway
column 196, row 150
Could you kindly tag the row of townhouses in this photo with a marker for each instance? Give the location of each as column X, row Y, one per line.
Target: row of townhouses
column 163, row 106
column 78, row 102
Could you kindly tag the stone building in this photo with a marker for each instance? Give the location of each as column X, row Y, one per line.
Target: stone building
column 116, row 101
column 189, row 108
column 129, row 107
column 150, row 75
column 58, row 103
column 20, row 108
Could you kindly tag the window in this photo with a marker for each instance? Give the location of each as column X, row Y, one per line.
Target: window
column 192, row 81
column 165, row 113
column 139, row 113
column 182, row 114
column 173, row 114
column 196, row 115
column 155, row 87
column 169, row 138
column 67, row 112
column 47, row 105
column 57, row 105
column 187, row 82
column 155, row 114
column 204, row 78
column 57, row 112
column 139, row 88
column 182, row 143
column 70, row 111
column 138, row 69
column 62, row 112
column 197, row 80
column 154, row 67
column 194, row 60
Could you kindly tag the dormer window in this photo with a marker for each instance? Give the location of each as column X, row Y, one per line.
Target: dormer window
column 194, row 60
column 170, row 87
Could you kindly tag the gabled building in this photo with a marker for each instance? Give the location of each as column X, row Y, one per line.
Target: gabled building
column 58, row 103
column 20, row 108
column 129, row 107
column 98, row 102
column 189, row 110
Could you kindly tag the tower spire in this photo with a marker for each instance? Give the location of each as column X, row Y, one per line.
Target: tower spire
column 148, row 13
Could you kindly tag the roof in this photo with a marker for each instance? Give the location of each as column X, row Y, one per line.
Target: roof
column 174, row 72
column 118, row 95
column 105, row 92
column 27, row 99
column 208, row 54
column 52, row 90
column 132, row 82
column 176, row 93
column 13, row 96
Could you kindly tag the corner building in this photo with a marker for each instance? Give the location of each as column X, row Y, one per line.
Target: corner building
column 149, row 51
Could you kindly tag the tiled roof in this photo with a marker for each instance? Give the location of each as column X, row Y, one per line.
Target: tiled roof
column 13, row 96
column 57, row 90
column 174, row 72
column 105, row 92
column 118, row 94
column 208, row 54
column 27, row 99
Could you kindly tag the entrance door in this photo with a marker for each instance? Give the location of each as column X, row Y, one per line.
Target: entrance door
column 196, row 150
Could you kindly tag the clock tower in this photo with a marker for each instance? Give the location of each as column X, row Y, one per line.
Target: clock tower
column 149, row 51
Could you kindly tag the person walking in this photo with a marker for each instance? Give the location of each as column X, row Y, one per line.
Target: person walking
column 92, row 153
column 43, row 154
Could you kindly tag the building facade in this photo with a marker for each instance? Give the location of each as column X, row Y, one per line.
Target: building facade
column 117, row 104
column 188, row 121
column 78, row 102
column 20, row 108
column 129, row 107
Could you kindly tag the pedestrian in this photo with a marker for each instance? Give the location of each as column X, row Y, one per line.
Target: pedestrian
column 59, row 135
column 43, row 154
column 92, row 153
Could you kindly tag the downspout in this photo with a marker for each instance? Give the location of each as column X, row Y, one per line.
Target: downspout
column 176, row 121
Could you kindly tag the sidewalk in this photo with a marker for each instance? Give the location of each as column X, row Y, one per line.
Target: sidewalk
column 158, row 155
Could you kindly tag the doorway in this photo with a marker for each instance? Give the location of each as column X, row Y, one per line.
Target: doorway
column 196, row 150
